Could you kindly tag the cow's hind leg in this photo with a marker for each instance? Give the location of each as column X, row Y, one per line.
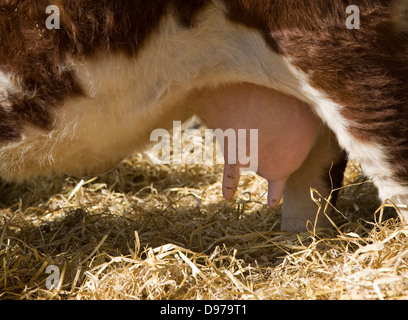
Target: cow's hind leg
column 323, row 170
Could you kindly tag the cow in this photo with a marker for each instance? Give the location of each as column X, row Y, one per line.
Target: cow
column 79, row 97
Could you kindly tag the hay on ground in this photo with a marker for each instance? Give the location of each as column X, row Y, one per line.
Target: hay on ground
column 147, row 231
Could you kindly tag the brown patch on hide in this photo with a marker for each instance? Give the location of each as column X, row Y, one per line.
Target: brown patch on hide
column 31, row 54
column 108, row 25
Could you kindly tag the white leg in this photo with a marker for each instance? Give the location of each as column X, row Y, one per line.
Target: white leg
column 298, row 207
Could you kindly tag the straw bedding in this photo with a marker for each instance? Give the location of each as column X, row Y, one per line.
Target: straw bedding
column 147, row 231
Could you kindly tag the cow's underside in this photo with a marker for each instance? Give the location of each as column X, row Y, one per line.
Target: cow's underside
column 79, row 99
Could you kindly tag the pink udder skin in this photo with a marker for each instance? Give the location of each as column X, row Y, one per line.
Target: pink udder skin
column 287, row 130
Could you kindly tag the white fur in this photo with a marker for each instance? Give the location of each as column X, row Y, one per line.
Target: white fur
column 6, row 86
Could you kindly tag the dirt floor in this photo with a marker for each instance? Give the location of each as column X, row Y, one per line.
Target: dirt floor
column 147, row 231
